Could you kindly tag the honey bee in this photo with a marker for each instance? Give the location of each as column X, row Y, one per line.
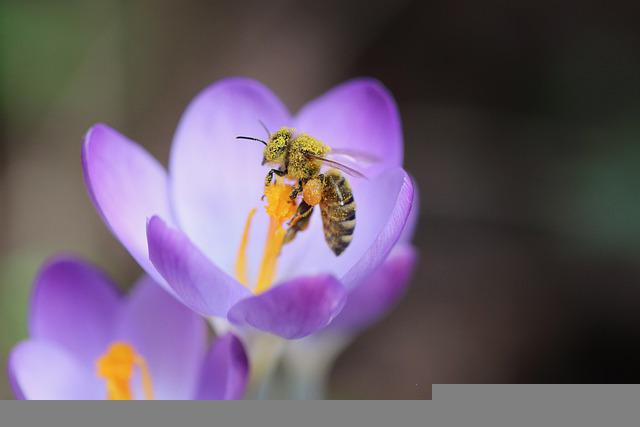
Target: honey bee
column 300, row 157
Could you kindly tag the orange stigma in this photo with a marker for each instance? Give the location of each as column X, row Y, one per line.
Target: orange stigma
column 280, row 208
column 116, row 367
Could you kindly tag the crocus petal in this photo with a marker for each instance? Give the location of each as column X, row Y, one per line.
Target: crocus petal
column 388, row 225
column 127, row 186
column 225, row 371
column 74, row 305
column 293, row 309
column 41, row 370
column 197, row 282
column 371, row 299
column 383, row 206
column 168, row 335
column 358, row 115
column 216, row 179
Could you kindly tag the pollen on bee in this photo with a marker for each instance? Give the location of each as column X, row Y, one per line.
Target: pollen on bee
column 312, row 192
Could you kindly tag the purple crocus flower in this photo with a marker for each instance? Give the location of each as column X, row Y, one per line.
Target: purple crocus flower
column 88, row 342
column 185, row 227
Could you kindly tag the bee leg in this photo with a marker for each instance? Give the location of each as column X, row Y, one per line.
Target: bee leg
column 296, row 191
column 269, row 177
column 299, row 222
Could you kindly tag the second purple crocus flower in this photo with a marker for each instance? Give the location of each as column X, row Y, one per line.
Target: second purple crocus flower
column 88, row 342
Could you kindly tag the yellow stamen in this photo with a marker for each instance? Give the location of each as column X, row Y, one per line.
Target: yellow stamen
column 116, row 366
column 241, row 260
column 280, row 208
column 272, row 247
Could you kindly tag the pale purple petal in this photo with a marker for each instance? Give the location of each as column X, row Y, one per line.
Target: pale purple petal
column 357, row 115
column 225, row 371
column 293, row 309
column 383, row 206
column 215, row 178
column 74, row 305
column 375, row 296
column 170, row 337
column 197, row 282
column 385, row 225
column 41, row 370
column 127, row 186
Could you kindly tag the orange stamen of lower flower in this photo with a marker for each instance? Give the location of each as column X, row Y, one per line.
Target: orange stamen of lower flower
column 116, row 367
column 280, row 208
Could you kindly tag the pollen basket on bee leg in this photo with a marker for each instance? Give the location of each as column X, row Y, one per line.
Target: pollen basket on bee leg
column 312, row 192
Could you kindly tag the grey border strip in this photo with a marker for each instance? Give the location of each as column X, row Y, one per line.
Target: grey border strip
column 454, row 405
column 214, row 414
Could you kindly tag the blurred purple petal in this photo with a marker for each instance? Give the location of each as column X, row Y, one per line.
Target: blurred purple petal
column 216, row 179
column 357, row 115
column 375, row 296
column 127, row 186
column 292, row 309
column 225, row 371
column 41, row 370
column 412, row 220
column 74, row 305
column 168, row 335
column 197, row 282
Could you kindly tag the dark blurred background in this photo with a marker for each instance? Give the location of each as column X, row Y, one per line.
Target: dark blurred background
column 521, row 129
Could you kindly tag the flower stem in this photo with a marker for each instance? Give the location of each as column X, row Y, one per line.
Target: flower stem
column 265, row 352
column 308, row 364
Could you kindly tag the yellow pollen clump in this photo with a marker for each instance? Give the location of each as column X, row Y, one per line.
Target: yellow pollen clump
column 116, row 367
column 280, row 208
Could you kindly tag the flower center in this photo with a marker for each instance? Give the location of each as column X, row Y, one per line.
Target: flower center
column 116, row 367
column 280, row 208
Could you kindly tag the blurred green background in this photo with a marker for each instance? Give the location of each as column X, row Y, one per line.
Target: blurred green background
column 521, row 128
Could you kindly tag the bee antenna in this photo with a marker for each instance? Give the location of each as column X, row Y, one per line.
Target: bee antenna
column 251, row 139
column 266, row 129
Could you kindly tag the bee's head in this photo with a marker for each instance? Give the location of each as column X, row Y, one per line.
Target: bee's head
column 276, row 149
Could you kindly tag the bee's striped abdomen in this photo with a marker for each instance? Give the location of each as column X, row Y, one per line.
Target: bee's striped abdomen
column 338, row 210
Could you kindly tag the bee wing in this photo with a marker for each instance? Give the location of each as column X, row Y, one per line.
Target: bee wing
column 354, row 156
column 344, row 168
